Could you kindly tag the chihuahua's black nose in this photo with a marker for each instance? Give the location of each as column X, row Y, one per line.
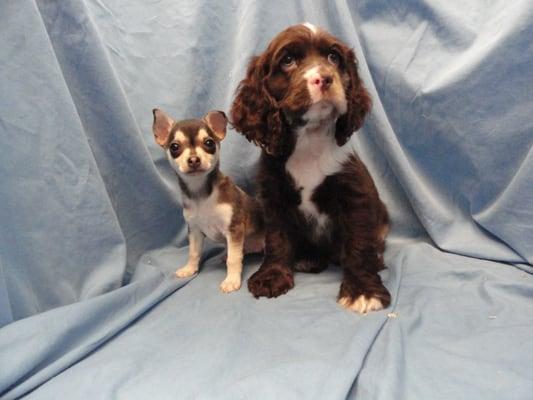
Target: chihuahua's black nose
column 193, row 162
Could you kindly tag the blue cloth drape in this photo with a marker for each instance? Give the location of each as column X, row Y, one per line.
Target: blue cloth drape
column 91, row 228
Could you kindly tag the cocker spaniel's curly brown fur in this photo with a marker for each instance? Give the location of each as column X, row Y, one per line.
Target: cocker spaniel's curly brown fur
column 301, row 100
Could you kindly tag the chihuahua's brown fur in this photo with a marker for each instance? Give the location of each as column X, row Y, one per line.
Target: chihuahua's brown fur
column 213, row 205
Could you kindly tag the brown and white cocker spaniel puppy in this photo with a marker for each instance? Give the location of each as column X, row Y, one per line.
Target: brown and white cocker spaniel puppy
column 301, row 100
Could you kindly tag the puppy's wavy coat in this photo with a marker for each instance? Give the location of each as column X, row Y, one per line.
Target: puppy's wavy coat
column 300, row 101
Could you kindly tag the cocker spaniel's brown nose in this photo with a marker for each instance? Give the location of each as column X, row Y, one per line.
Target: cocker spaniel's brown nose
column 321, row 81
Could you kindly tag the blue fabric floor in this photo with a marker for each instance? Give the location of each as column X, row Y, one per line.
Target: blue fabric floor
column 91, row 229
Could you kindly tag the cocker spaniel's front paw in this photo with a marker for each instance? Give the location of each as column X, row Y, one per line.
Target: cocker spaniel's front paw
column 271, row 281
column 369, row 296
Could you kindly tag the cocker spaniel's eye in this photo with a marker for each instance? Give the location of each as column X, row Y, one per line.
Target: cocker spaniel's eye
column 288, row 61
column 334, row 57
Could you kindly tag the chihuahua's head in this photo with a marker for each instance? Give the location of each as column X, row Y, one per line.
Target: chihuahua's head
column 192, row 146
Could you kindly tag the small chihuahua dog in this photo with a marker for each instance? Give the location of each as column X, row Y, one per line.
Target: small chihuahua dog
column 213, row 205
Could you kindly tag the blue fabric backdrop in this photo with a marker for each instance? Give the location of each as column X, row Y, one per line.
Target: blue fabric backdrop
column 91, row 231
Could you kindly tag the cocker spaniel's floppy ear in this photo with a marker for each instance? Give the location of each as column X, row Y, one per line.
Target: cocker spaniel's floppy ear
column 254, row 112
column 358, row 102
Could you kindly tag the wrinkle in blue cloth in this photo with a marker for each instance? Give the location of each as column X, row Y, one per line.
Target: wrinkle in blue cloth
column 91, row 230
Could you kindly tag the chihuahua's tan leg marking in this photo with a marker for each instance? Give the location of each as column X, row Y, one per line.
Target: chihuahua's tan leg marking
column 234, row 262
column 196, row 241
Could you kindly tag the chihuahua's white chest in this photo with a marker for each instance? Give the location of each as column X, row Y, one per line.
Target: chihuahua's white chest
column 211, row 217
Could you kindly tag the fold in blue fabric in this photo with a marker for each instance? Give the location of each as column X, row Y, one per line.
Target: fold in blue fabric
column 91, row 228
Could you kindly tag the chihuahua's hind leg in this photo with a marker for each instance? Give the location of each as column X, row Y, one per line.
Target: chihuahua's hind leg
column 196, row 241
column 254, row 243
column 235, row 241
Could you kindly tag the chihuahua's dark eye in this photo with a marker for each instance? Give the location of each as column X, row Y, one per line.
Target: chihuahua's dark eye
column 334, row 57
column 210, row 143
column 175, row 149
column 288, row 61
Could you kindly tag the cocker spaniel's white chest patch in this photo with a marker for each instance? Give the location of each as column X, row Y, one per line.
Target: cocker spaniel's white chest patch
column 316, row 155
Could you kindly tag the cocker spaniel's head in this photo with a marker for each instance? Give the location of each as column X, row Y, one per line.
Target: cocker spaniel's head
column 306, row 76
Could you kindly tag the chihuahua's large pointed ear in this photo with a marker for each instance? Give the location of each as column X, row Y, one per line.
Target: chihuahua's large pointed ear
column 161, row 127
column 358, row 99
column 217, row 122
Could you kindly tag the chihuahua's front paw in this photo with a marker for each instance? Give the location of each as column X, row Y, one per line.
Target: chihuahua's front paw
column 230, row 284
column 186, row 271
